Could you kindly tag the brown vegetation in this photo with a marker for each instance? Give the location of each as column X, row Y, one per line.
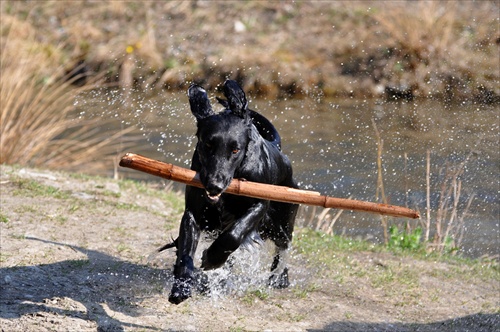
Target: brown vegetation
column 325, row 48
column 38, row 124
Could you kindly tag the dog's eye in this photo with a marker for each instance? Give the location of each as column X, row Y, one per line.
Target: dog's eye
column 236, row 150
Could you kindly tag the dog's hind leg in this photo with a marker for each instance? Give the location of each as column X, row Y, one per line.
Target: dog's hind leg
column 184, row 275
column 279, row 274
column 281, row 232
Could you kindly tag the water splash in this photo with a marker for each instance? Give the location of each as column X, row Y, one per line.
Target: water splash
column 162, row 120
column 247, row 268
column 332, row 145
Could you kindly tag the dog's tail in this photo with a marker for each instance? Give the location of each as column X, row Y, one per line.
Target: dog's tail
column 173, row 244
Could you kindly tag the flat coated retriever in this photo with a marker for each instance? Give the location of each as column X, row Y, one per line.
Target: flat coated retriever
column 235, row 143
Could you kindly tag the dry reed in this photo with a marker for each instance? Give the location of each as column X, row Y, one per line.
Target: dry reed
column 428, row 196
column 450, row 218
column 319, row 48
column 448, row 222
column 380, row 192
column 38, row 125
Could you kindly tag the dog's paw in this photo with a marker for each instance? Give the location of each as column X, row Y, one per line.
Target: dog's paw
column 181, row 290
column 279, row 281
column 209, row 261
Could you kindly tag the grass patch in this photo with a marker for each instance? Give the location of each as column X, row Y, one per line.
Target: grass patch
column 60, row 219
column 335, row 253
column 174, row 199
column 110, row 193
column 321, row 247
column 120, row 231
column 27, row 209
column 252, row 296
column 126, row 206
column 404, row 240
column 4, row 257
column 404, row 277
column 122, row 247
column 32, row 188
column 303, row 292
column 3, row 218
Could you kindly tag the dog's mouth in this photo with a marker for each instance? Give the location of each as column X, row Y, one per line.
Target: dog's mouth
column 213, row 198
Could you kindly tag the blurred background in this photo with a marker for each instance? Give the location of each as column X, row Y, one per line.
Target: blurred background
column 389, row 101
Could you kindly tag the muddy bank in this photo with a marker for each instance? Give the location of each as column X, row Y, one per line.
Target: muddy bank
column 74, row 257
column 397, row 50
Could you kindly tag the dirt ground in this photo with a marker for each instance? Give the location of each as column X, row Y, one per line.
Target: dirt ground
column 74, row 257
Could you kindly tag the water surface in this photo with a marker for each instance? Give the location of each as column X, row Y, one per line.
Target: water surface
column 333, row 148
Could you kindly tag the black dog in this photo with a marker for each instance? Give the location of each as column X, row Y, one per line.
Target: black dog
column 236, row 143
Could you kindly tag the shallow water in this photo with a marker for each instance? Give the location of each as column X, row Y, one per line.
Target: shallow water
column 333, row 148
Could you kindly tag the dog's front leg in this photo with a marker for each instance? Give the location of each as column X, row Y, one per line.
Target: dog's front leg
column 189, row 234
column 230, row 240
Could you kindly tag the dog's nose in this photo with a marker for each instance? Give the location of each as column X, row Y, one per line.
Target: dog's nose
column 214, row 191
column 214, row 188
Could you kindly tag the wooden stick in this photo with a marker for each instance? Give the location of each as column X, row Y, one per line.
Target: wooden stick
column 262, row 190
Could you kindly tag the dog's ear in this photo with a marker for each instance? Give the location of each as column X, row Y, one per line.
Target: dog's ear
column 236, row 99
column 198, row 100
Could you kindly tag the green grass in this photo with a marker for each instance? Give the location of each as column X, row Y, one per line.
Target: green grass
column 110, row 193
column 3, row 218
column 32, row 188
column 3, row 257
column 303, row 292
column 122, row 247
column 252, row 296
column 60, row 219
column 174, row 200
column 322, row 247
column 403, row 240
column 126, row 206
column 26, row 209
column 332, row 253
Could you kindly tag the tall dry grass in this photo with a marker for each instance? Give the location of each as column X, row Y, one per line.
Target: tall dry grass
column 316, row 48
column 422, row 44
column 380, row 192
column 441, row 230
column 38, row 125
column 450, row 223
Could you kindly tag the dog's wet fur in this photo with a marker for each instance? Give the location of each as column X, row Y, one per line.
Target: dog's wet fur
column 235, row 143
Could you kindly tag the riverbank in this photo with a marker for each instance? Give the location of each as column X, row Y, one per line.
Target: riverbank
column 401, row 50
column 75, row 250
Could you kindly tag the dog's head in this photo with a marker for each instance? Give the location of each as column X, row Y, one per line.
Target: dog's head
column 223, row 137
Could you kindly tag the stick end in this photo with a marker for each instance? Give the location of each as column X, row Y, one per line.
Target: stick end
column 126, row 160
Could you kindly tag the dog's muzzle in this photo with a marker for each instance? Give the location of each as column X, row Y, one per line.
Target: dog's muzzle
column 213, row 198
column 214, row 187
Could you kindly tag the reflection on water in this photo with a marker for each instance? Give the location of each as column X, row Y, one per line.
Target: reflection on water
column 332, row 145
